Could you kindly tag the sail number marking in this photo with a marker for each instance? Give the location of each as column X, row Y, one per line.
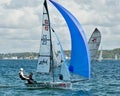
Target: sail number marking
column 44, row 40
column 43, row 61
column 46, row 25
column 94, row 40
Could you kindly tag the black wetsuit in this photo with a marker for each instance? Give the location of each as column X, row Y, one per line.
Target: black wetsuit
column 29, row 79
column 22, row 78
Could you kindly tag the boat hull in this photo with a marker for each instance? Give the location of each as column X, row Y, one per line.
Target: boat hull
column 58, row 85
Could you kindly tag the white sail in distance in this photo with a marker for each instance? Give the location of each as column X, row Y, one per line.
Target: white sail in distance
column 94, row 43
column 100, row 55
column 116, row 57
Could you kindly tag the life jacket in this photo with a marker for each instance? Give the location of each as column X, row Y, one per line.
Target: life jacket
column 29, row 80
column 22, row 78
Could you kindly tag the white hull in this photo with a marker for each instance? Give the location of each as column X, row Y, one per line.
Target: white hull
column 56, row 85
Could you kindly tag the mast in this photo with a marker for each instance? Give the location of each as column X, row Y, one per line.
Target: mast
column 45, row 60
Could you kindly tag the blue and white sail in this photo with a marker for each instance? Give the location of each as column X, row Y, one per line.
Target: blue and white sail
column 80, row 59
column 46, row 65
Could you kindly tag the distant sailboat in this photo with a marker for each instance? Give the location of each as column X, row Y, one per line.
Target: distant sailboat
column 100, row 55
column 94, row 43
column 116, row 57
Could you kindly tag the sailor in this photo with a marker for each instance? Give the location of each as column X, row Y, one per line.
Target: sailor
column 30, row 80
column 25, row 77
column 22, row 76
column 60, row 76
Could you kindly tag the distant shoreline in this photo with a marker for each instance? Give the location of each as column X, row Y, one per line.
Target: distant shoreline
column 107, row 55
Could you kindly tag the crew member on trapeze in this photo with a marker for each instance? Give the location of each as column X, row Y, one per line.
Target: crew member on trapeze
column 25, row 77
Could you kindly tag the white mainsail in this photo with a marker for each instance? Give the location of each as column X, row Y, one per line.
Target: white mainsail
column 94, row 43
column 45, row 53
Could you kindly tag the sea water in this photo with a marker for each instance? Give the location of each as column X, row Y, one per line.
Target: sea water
column 104, row 81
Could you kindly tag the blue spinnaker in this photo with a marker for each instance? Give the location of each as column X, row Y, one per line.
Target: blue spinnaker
column 80, row 58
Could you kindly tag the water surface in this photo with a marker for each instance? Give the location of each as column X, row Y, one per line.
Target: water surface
column 105, row 80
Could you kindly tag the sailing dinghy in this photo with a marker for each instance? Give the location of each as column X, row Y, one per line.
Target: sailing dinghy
column 94, row 43
column 80, row 58
column 46, row 64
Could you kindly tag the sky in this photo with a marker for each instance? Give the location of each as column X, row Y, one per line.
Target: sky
column 21, row 20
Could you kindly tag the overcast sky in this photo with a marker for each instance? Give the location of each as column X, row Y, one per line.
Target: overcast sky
column 20, row 22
